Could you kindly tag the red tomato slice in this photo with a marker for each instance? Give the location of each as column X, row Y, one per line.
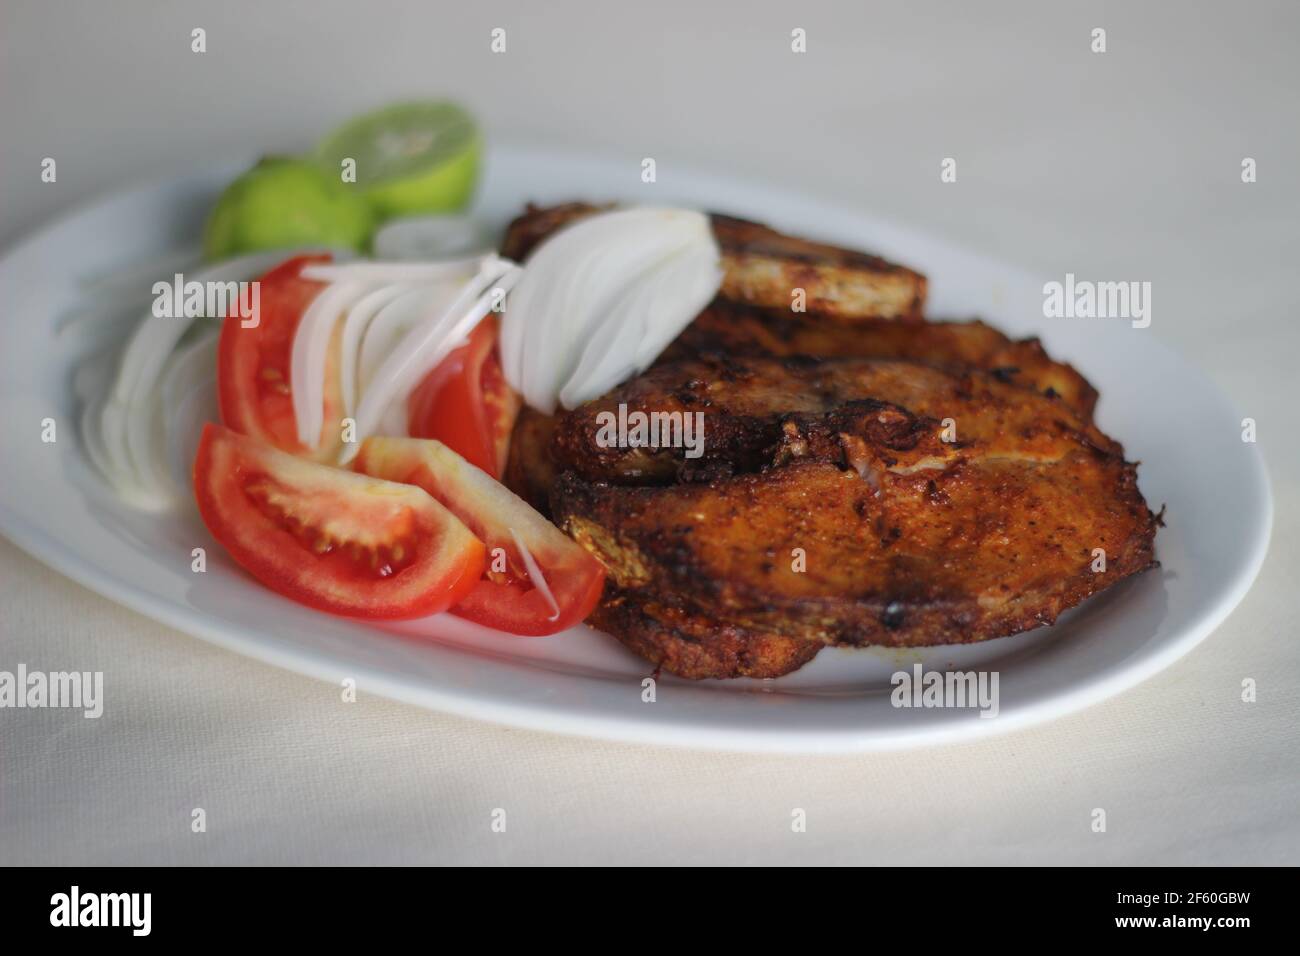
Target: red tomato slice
column 466, row 403
column 508, row 598
column 253, row 366
column 330, row 538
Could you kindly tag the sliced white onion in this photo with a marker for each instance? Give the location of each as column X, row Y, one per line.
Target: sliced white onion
column 597, row 303
column 156, row 336
column 427, row 344
column 395, row 321
column 151, row 436
column 123, row 425
column 535, row 574
column 145, row 436
column 355, row 325
column 652, row 312
column 573, row 278
column 188, row 398
column 90, row 384
column 310, row 354
column 196, row 407
column 104, row 434
column 92, row 437
column 111, row 422
column 590, row 279
column 395, row 420
column 542, row 322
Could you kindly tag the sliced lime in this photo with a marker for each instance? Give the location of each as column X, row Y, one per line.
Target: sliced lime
column 410, row 157
column 284, row 202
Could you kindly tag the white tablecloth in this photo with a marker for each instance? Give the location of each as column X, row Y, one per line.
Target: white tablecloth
column 1122, row 164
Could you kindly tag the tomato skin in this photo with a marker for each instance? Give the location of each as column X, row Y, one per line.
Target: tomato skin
column 466, row 403
column 513, row 607
column 253, row 365
column 391, row 551
column 505, row 601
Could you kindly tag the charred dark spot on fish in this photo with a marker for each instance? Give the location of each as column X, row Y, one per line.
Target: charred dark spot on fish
column 893, row 616
column 800, row 363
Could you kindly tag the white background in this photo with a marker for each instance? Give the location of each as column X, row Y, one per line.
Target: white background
column 1124, row 165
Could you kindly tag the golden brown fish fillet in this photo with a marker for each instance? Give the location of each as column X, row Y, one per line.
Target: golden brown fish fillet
column 736, row 329
column 908, row 539
column 763, row 267
column 694, row 646
column 905, row 539
column 747, row 407
column 690, row 645
column 728, row 329
column 753, row 316
column 530, row 470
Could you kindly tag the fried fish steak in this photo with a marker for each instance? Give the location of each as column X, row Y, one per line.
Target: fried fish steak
column 695, row 646
column 749, row 412
column 530, row 469
column 737, row 329
column 764, row 267
column 859, row 524
column 726, row 328
column 814, row 446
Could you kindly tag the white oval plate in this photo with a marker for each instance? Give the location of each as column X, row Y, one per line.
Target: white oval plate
column 1167, row 414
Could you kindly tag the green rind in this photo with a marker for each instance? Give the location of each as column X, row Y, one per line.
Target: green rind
column 446, row 186
column 284, row 202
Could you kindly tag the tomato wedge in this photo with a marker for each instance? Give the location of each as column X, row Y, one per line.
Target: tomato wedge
column 253, row 385
column 509, row 597
column 466, row 403
column 330, row 538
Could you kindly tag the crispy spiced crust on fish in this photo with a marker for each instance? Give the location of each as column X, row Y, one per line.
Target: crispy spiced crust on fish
column 530, row 469
column 735, row 329
column 764, row 267
column 859, row 523
column 694, row 646
column 827, row 504
column 745, row 409
column 811, row 552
